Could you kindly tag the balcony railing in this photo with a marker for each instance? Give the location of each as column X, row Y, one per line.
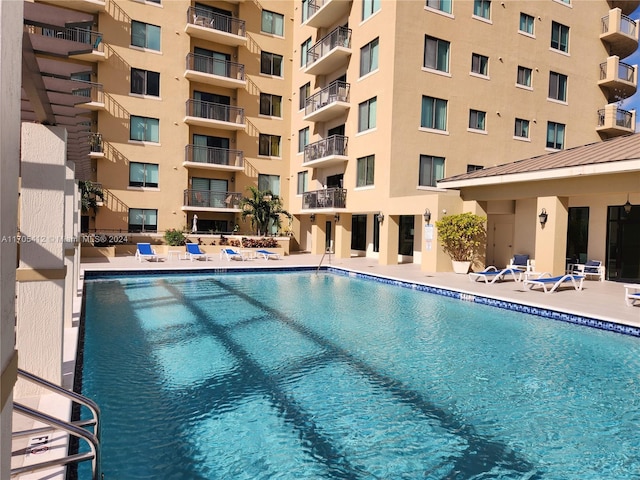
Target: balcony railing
column 214, row 156
column 212, row 199
column 337, row 91
column 95, row 143
column 94, row 92
column 85, row 36
column 335, row 145
column 626, row 72
column 215, row 111
column 215, row 21
column 340, row 37
column 623, row 118
column 325, row 198
column 627, row 25
column 215, row 66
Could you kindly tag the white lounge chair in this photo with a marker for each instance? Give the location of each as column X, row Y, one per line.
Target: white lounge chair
column 592, row 268
column 194, row 253
column 144, row 251
column 632, row 293
column 231, row 254
column 492, row 274
column 266, row 254
column 551, row 284
column 522, row 262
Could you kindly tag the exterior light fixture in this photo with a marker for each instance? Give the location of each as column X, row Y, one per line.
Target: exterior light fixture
column 312, row 217
column 427, row 215
column 336, row 217
column 627, row 206
column 380, row 217
column 543, row 217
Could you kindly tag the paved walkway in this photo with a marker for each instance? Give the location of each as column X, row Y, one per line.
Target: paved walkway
column 597, row 300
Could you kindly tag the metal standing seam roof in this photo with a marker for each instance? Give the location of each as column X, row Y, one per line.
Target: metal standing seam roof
column 612, row 150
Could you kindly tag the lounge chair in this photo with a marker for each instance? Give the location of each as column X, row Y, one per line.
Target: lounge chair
column 144, row 251
column 194, row 253
column 551, row 284
column 492, row 274
column 231, row 254
column 522, row 262
column 632, row 293
column 592, row 268
column 266, row 254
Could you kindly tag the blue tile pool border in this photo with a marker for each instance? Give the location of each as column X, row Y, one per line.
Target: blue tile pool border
column 479, row 299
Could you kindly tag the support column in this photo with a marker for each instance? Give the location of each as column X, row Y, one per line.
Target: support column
column 70, row 243
column 551, row 237
column 389, row 231
column 42, row 271
column 318, row 234
column 342, row 245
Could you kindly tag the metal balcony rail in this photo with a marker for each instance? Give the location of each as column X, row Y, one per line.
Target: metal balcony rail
column 211, row 199
column 337, row 91
column 73, row 34
column 623, row 118
column 77, row 428
column 95, row 143
column 312, row 7
column 214, row 155
column 93, row 91
column 325, row 198
column 215, row 66
column 215, row 111
column 333, row 145
column 625, row 71
column 340, row 37
column 224, row 23
column 627, row 25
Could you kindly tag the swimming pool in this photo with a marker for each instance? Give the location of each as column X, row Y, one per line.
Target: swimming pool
column 303, row 376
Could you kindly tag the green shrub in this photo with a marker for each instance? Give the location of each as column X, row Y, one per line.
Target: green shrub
column 463, row 236
column 174, row 237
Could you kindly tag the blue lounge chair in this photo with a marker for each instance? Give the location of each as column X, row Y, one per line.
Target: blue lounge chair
column 521, row 262
column 231, row 254
column 551, row 284
column 194, row 252
column 144, row 251
column 492, row 274
column 632, row 293
column 266, row 254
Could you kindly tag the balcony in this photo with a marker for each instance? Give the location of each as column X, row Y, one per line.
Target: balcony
column 620, row 33
column 78, row 43
column 213, row 71
column 613, row 121
column 619, row 79
column 94, row 93
column 96, row 146
column 328, row 151
column 330, row 53
column 328, row 103
column 211, row 201
column 88, row 6
column 214, row 27
column 325, row 199
column 213, row 158
column 324, row 13
column 214, row 115
column 627, row 6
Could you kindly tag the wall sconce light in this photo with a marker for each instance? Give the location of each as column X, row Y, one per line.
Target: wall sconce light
column 380, row 217
column 627, row 206
column 427, row 215
column 543, row 217
column 312, row 217
column 336, row 217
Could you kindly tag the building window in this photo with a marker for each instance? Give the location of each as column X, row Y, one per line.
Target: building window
column 524, row 76
column 369, row 7
column 305, row 91
column 143, row 174
column 269, row 183
column 304, row 52
column 477, row 119
column 367, row 114
column 270, row 105
column 303, row 182
column 305, row 9
column 271, row 64
column 144, row 129
column 555, row 135
column 557, row 86
column 482, row 8
column 369, row 57
column 143, row 220
column 526, row 23
column 559, row 37
column 521, row 128
column 442, row 5
column 145, row 35
column 272, row 23
column 144, row 82
column 431, row 170
column 436, row 53
column 479, row 64
column 434, row 113
column 365, row 171
column 303, row 139
column 473, row 168
column 269, row 145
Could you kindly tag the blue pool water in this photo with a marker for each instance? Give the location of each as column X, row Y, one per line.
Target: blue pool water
column 301, row 376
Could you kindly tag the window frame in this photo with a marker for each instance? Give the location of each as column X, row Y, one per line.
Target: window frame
column 482, row 9
column 554, row 145
column 521, row 128
column 528, row 71
column 528, row 18
column 435, row 120
column 144, row 212
column 266, row 139
column 303, row 139
column 560, row 47
column 147, row 129
column 148, row 35
column 369, row 52
column 269, row 179
column 445, row 6
column 144, row 183
column 267, row 99
column 477, row 120
column 370, row 121
column 144, row 80
column 368, row 12
column 433, row 172
column 270, row 58
column 365, row 171
column 273, row 22
column 560, row 82
column 304, row 52
column 303, row 182
column 306, row 89
column 436, row 53
column 479, row 61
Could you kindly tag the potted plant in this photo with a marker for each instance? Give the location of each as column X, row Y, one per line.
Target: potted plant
column 462, row 236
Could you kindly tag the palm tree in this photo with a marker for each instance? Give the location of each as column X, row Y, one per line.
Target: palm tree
column 89, row 195
column 263, row 208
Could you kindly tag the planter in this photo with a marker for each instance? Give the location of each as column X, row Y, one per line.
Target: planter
column 461, row 267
